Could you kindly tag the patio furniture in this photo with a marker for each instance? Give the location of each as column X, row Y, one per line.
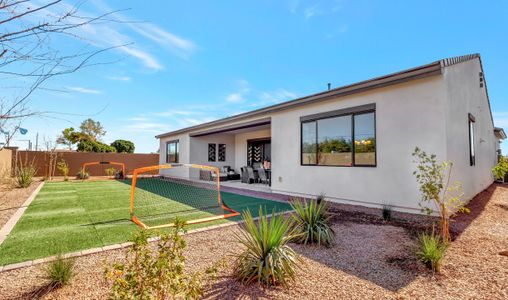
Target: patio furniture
column 245, row 175
column 263, row 178
column 231, row 173
column 253, row 176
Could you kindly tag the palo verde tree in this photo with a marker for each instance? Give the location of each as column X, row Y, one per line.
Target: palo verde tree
column 92, row 130
column 434, row 180
column 30, row 55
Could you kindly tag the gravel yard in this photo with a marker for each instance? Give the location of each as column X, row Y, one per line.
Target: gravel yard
column 369, row 261
column 11, row 198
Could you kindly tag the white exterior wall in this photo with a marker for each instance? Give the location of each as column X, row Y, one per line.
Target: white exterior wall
column 199, row 149
column 241, row 145
column 465, row 96
column 407, row 115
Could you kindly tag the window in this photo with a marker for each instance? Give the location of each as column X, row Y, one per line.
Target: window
column 471, row 121
column 172, row 151
column 222, row 152
column 340, row 138
column 212, row 152
column 309, row 144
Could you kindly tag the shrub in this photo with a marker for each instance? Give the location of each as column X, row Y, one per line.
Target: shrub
column 267, row 258
column 94, row 146
column 500, row 170
column 60, row 271
column 387, row 212
column 156, row 273
column 110, row 171
column 24, row 173
column 434, row 179
column 312, row 222
column 63, row 167
column 431, row 250
column 123, row 146
column 82, row 175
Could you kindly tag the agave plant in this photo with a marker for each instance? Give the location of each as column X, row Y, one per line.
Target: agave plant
column 312, row 221
column 267, row 258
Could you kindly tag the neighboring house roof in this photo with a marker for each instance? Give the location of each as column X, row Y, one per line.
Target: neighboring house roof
column 499, row 132
column 423, row 71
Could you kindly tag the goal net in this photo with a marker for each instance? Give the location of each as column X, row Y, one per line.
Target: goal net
column 109, row 168
column 185, row 191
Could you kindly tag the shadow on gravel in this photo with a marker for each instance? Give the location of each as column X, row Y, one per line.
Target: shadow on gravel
column 36, row 293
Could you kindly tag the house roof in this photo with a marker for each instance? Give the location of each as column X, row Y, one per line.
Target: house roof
column 499, row 132
column 434, row 68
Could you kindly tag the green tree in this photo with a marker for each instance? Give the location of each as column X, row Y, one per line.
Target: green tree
column 94, row 146
column 123, row 146
column 92, row 130
column 69, row 137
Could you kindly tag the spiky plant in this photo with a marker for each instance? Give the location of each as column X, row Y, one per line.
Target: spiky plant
column 312, row 222
column 267, row 258
column 60, row 271
column 431, row 250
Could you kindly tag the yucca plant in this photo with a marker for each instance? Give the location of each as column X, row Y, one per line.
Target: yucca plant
column 312, row 222
column 431, row 250
column 267, row 257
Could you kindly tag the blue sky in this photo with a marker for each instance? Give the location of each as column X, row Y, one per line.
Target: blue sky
column 187, row 62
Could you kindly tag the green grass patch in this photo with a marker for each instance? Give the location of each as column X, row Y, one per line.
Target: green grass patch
column 74, row 215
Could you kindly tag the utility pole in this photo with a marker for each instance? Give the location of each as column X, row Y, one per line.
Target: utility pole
column 37, row 141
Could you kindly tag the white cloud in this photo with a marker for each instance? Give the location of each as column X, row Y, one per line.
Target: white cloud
column 235, row 98
column 120, row 78
column 277, row 96
column 148, row 60
column 83, row 90
column 176, row 44
column 312, row 11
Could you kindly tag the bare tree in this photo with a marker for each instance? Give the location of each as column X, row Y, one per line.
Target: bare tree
column 28, row 52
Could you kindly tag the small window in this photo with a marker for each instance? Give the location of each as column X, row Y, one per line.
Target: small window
column 222, row 152
column 365, row 140
column 212, row 152
column 472, row 157
column 335, row 146
column 172, row 151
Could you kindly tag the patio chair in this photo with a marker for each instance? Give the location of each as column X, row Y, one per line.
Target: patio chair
column 262, row 176
column 253, row 176
column 245, row 175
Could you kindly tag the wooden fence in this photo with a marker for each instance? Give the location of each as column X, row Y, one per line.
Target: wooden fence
column 75, row 160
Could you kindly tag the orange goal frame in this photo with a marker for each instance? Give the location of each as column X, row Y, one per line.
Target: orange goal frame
column 136, row 172
column 83, row 168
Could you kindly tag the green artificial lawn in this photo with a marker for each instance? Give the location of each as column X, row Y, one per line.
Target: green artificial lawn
column 78, row 215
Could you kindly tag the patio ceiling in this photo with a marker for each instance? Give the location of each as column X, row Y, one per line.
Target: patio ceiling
column 236, row 128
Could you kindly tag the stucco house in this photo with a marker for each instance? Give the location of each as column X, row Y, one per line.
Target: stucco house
column 354, row 143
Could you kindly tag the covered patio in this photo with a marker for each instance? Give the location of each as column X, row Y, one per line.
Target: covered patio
column 242, row 151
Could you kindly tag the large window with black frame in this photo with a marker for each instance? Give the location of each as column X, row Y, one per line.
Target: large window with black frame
column 172, row 150
column 341, row 138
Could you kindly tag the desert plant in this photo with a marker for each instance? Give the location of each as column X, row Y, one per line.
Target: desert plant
column 156, row 273
column 312, row 222
column 24, row 173
column 60, row 271
column 267, row 257
column 500, row 170
column 82, row 175
column 431, row 250
column 63, row 167
column 110, row 172
column 387, row 212
column 434, row 180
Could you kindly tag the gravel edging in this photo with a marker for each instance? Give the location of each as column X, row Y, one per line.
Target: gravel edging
column 90, row 251
column 7, row 228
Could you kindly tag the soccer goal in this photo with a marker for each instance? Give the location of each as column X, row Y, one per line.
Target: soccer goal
column 88, row 164
column 185, row 191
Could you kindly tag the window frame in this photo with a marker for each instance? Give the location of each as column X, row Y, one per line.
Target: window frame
column 218, row 152
column 471, row 120
column 352, row 111
column 177, row 151
column 214, row 150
